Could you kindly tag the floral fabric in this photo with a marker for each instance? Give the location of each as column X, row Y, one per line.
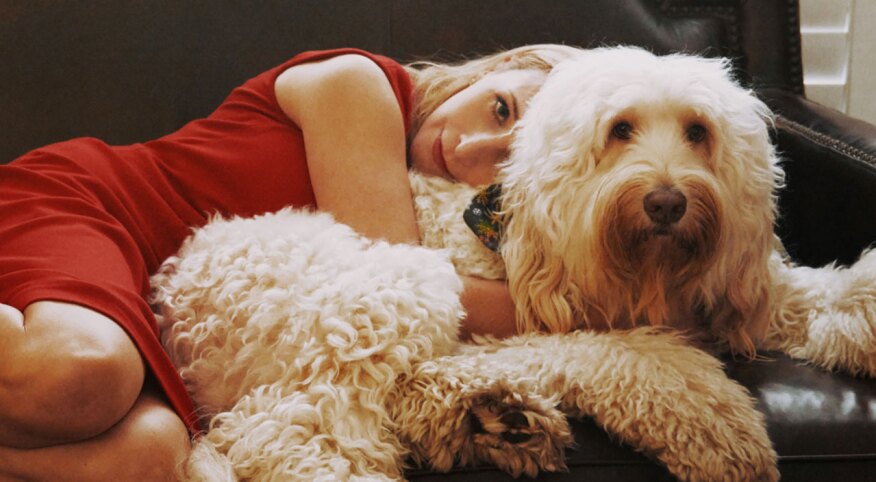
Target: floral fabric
column 484, row 216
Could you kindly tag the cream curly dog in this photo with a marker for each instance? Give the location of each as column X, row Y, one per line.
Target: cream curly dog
column 639, row 192
column 645, row 194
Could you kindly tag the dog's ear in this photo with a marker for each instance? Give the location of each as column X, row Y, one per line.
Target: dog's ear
column 741, row 315
column 749, row 173
column 538, row 194
column 741, row 312
column 538, row 282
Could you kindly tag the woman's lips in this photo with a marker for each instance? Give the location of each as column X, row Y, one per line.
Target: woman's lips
column 438, row 155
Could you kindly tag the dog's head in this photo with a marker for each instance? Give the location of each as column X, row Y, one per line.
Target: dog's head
column 640, row 190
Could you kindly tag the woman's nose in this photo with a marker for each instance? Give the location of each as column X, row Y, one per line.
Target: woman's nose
column 483, row 146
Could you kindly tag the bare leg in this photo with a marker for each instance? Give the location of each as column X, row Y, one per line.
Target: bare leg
column 77, row 369
column 71, row 406
column 149, row 444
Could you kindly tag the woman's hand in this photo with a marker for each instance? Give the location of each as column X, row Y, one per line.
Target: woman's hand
column 354, row 139
column 489, row 308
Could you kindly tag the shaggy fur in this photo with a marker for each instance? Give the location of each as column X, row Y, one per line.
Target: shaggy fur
column 826, row 316
column 581, row 252
column 290, row 331
column 646, row 387
column 319, row 355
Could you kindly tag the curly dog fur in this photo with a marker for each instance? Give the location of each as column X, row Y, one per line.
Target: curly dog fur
column 316, row 354
column 582, row 251
column 290, row 331
column 315, row 366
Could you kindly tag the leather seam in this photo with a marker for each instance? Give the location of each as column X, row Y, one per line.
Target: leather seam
column 827, row 141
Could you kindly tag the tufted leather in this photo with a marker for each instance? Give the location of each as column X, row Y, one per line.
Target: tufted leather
column 829, row 206
column 130, row 71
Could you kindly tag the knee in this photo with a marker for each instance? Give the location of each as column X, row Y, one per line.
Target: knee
column 151, row 444
column 91, row 391
column 79, row 376
column 157, row 446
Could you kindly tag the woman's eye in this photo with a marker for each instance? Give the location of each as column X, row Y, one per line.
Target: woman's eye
column 501, row 110
column 696, row 133
column 623, row 130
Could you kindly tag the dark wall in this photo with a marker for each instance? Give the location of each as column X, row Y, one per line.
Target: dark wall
column 132, row 70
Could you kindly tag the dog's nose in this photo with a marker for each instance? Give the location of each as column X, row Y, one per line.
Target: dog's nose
column 665, row 206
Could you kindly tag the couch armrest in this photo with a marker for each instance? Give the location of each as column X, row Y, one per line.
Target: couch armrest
column 850, row 137
column 828, row 207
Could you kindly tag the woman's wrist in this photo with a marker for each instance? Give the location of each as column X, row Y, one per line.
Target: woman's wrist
column 489, row 308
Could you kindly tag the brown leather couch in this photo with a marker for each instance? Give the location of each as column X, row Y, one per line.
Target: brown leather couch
column 127, row 71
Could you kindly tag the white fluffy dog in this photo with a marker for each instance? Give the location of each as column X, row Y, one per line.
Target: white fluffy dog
column 644, row 194
column 639, row 192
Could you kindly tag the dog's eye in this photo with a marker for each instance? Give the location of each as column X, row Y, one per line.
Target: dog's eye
column 623, row 130
column 696, row 133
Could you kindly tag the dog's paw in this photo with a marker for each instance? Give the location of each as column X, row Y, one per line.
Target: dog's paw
column 506, row 419
column 520, row 434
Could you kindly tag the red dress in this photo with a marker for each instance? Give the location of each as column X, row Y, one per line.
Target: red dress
column 88, row 223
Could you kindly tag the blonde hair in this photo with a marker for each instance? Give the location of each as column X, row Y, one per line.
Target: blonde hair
column 434, row 82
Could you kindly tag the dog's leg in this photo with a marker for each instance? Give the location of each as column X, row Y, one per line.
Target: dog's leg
column 448, row 412
column 269, row 436
column 665, row 398
column 827, row 315
column 292, row 329
column 652, row 390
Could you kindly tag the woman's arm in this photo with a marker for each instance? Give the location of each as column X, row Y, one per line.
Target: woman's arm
column 355, row 144
column 354, row 140
column 489, row 308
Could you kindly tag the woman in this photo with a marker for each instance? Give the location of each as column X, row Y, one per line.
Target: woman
column 86, row 392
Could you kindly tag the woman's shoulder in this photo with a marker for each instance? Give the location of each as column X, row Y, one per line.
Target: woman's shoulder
column 382, row 61
column 351, row 59
column 340, row 71
column 259, row 93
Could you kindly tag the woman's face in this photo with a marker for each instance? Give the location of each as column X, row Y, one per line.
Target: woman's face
column 469, row 134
